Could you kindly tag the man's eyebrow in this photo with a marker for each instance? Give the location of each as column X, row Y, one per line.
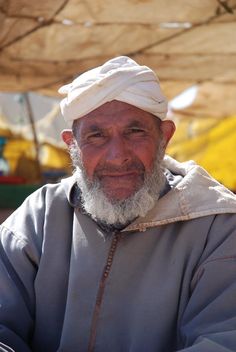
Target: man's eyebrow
column 92, row 128
column 136, row 123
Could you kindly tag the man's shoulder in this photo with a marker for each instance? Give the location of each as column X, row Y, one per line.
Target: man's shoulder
column 54, row 191
column 47, row 202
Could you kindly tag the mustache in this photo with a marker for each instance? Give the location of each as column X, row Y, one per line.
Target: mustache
column 127, row 167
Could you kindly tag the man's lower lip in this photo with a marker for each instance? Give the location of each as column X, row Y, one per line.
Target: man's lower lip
column 121, row 175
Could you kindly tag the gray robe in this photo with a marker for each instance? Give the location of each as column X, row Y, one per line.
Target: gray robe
column 165, row 283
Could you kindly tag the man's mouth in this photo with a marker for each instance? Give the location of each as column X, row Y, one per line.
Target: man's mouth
column 120, row 176
column 120, row 183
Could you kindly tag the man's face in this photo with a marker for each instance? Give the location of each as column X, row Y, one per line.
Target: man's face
column 118, row 143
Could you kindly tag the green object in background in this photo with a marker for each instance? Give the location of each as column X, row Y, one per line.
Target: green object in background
column 12, row 196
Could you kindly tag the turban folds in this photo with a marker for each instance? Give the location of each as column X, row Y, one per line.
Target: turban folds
column 120, row 79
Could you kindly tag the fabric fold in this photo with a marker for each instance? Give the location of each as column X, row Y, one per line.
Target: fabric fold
column 118, row 79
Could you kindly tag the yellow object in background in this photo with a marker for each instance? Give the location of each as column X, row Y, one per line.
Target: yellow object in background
column 211, row 143
column 20, row 154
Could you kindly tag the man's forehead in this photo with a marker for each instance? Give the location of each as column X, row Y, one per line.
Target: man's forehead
column 115, row 112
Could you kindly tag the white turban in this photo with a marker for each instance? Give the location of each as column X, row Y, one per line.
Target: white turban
column 118, row 79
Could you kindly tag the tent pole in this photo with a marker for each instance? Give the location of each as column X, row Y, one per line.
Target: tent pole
column 35, row 138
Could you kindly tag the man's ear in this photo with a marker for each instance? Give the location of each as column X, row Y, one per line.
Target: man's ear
column 168, row 129
column 67, row 137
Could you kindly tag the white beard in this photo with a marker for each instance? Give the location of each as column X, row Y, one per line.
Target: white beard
column 116, row 212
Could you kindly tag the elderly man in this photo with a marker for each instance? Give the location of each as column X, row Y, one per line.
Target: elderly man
column 135, row 252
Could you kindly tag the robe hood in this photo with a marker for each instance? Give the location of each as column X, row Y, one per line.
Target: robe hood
column 192, row 193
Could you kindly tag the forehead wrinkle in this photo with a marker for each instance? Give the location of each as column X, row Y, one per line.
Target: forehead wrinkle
column 101, row 118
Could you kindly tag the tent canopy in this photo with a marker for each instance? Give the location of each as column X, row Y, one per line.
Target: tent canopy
column 45, row 44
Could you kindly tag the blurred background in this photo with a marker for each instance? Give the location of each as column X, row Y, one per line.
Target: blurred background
column 190, row 44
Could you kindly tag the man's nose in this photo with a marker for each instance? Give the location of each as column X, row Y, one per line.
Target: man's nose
column 118, row 153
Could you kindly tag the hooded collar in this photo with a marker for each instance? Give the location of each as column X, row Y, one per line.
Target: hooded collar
column 191, row 193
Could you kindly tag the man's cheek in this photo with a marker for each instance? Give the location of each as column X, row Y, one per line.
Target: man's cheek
column 89, row 169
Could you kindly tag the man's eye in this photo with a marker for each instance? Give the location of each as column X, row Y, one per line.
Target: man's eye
column 95, row 135
column 135, row 130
